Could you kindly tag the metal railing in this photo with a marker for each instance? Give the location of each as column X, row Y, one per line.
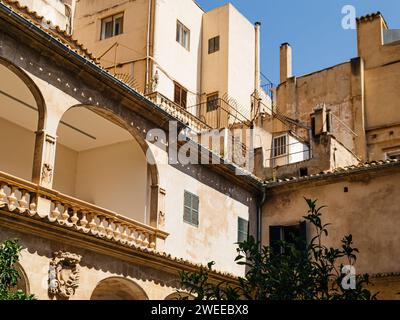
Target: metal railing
column 182, row 114
column 267, row 84
column 218, row 113
column 277, row 159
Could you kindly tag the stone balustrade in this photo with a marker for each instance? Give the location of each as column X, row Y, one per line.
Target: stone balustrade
column 178, row 112
column 21, row 197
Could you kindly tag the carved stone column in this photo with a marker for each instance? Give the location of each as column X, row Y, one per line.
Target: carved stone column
column 44, row 159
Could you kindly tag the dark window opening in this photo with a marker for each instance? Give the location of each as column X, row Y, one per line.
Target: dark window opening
column 313, row 126
column 346, row 189
column 212, row 102
column 328, row 122
column 213, row 45
column 295, row 234
column 303, row 172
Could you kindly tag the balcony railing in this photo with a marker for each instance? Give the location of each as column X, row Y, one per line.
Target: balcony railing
column 219, row 114
column 178, row 112
column 21, row 197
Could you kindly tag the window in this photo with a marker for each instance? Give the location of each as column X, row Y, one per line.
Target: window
column 180, row 95
column 213, row 45
column 279, row 146
column 191, row 209
column 303, row 172
column 243, row 230
column 295, row 234
column 183, row 35
column 393, row 155
column 112, row 26
column 212, row 102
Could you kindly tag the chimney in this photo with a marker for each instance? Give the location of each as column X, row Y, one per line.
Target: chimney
column 285, row 62
column 257, row 84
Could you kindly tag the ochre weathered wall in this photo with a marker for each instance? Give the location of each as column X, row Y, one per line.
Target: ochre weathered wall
column 87, row 30
column 368, row 211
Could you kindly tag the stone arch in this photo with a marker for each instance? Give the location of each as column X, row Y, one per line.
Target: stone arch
column 112, row 116
column 23, row 282
column 23, row 115
column 118, row 288
column 37, row 94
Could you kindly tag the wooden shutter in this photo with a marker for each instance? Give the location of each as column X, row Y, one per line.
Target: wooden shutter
column 187, row 204
column 183, row 98
column 195, row 210
column 177, row 94
column 303, row 235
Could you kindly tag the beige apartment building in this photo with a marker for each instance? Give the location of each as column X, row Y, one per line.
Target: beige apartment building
column 83, row 85
column 207, row 63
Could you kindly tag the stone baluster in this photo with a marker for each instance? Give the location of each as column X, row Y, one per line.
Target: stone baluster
column 109, row 230
column 3, row 195
column 117, row 231
column 83, row 222
column 55, row 213
column 131, row 236
column 23, row 203
column 12, row 199
column 74, row 218
column 101, row 228
column 93, row 224
column 32, row 204
column 63, row 220
column 139, row 239
column 124, row 234
column 145, row 241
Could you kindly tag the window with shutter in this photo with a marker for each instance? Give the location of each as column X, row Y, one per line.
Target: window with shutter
column 280, row 146
column 180, row 95
column 183, row 35
column 243, row 230
column 191, row 209
column 177, row 94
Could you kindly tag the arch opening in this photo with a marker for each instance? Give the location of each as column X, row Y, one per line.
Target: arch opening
column 21, row 115
column 23, row 283
column 116, row 288
column 100, row 162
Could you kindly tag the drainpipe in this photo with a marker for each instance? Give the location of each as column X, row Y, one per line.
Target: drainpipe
column 260, row 205
column 257, row 68
column 149, row 22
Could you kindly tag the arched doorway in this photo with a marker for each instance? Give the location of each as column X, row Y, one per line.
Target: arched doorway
column 100, row 162
column 116, row 288
column 22, row 113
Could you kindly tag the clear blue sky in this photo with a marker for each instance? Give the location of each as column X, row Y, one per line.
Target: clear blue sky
column 312, row 27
